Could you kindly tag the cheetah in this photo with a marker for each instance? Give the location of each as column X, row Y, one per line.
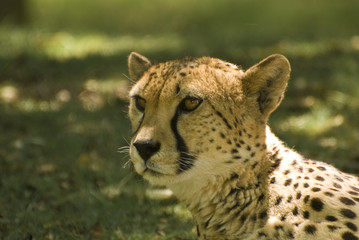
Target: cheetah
column 200, row 129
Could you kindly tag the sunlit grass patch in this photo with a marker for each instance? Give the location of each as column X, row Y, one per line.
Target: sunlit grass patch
column 319, row 120
column 67, row 45
column 64, row 45
column 97, row 92
column 9, row 93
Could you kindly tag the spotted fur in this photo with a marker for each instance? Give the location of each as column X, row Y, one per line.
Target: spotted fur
column 200, row 129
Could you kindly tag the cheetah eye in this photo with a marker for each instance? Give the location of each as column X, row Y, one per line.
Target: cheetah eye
column 190, row 104
column 140, row 103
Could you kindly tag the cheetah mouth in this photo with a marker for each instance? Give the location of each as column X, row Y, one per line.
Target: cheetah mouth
column 154, row 171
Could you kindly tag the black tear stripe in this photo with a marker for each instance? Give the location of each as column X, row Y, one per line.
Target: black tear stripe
column 139, row 125
column 185, row 160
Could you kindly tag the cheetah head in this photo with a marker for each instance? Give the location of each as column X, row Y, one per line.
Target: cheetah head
column 201, row 117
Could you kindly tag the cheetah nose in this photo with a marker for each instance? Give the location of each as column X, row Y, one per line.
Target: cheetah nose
column 146, row 148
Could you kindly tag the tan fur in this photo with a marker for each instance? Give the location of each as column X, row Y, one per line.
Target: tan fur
column 221, row 159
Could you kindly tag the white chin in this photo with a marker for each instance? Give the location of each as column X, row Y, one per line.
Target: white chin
column 140, row 167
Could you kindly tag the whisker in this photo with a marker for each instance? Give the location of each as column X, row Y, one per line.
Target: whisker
column 128, row 163
column 124, row 149
column 128, row 143
column 128, row 78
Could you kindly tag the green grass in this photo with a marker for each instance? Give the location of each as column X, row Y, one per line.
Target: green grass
column 63, row 87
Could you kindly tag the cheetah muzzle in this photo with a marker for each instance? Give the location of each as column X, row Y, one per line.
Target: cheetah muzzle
column 200, row 128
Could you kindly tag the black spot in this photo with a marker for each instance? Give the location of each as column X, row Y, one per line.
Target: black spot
column 234, row 150
column 332, row 227
column 306, row 214
column 289, row 199
column 283, row 218
column 276, row 164
column 349, row 236
column 338, row 178
column 278, row 227
column 198, row 232
column 222, row 135
column 295, row 185
column 310, row 170
column 347, row 201
column 178, row 89
column 331, row 218
column 321, row 168
column 348, row 213
column 353, row 193
column 305, row 185
column 262, row 234
column 287, row 182
column 310, row 229
column 299, row 195
column 243, row 218
column 319, row 178
column 237, row 157
column 272, row 180
column 219, row 226
column 286, row 172
column 316, row 204
column 306, row 198
column 315, row 189
column 182, row 74
column 295, row 211
column 329, row 194
column 248, row 148
column 263, row 215
column 261, row 197
column 337, row 185
column 278, row 201
column 229, row 141
column 351, row 226
column 233, row 207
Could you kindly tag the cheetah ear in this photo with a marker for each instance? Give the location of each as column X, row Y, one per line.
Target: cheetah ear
column 266, row 82
column 137, row 65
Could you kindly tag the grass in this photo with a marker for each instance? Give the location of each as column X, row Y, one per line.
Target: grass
column 63, row 87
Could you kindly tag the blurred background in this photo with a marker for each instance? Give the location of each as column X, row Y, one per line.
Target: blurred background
column 63, row 101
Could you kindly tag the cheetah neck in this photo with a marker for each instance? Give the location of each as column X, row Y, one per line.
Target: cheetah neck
column 216, row 212
column 225, row 206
